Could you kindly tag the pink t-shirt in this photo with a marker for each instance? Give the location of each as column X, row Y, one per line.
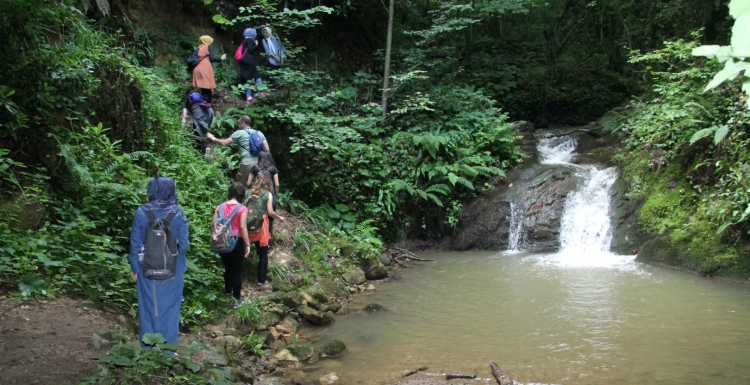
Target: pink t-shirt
column 236, row 223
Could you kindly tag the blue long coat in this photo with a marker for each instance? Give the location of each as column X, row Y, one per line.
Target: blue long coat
column 159, row 301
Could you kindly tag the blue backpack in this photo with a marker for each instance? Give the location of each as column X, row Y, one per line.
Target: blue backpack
column 195, row 97
column 222, row 236
column 256, row 142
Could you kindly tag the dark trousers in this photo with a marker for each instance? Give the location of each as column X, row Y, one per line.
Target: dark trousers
column 207, row 95
column 270, row 230
column 262, row 262
column 233, row 269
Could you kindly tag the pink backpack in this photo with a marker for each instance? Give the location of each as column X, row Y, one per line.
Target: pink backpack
column 238, row 54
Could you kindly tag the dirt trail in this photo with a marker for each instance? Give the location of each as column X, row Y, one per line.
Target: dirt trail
column 49, row 342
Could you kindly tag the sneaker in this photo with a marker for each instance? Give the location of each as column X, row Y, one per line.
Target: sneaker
column 249, row 99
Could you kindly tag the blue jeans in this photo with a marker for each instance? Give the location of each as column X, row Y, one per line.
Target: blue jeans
column 249, row 91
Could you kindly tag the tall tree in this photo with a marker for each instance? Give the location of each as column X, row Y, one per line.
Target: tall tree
column 386, row 72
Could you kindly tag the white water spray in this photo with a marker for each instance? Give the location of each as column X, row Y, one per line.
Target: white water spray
column 585, row 229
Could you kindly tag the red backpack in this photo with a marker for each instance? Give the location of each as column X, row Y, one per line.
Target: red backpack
column 238, row 54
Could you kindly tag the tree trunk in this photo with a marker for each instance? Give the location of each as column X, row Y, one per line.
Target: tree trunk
column 387, row 72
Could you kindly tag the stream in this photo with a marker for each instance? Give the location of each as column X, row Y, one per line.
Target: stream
column 581, row 315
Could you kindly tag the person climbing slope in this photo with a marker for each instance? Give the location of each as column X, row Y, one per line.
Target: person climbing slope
column 248, row 66
column 203, row 73
column 251, row 143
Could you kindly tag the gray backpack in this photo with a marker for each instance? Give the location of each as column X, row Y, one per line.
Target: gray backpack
column 159, row 248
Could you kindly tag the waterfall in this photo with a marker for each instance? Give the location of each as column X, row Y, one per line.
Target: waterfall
column 585, row 228
column 515, row 231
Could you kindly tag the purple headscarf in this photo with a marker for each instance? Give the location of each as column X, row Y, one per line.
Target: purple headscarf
column 162, row 196
column 250, row 33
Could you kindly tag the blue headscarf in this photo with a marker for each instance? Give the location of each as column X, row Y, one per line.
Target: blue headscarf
column 250, row 33
column 162, row 196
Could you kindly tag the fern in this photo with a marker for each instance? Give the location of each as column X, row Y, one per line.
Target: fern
column 438, row 187
column 721, row 133
column 700, row 134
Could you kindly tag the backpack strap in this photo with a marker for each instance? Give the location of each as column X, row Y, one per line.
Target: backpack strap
column 170, row 216
column 150, row 215
column 236, row 209
column 221, row 210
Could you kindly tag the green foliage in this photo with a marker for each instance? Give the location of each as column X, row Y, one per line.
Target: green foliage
column 250, row 313
column 735, row 56
column 129, row 363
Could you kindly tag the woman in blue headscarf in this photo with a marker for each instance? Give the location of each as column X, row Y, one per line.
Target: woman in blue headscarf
column 248, row 67
column 159, row 300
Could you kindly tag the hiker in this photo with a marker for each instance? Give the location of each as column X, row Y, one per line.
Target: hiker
column 203, row 73
column 260, row 189
column 248, row 67
column 234, row 259
column 266, row 167
column 246, row 138
column 202, row 113
column 159, row 289
column 272, row 45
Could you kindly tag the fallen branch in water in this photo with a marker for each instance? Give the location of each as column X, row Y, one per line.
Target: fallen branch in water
column 409, row 255
column 415, row 371
column 502, row 378
column 401, row 263
column 450, row 376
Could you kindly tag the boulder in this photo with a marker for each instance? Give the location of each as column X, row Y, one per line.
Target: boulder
column 315, row 317
column 330, row 287
column 283, row 286
column 333, row 307
column 523, row 126
column 294, row 299
column 303, row 351
column 333, row 348
column 231, row 341
column 354, row 276
column 319, row 295
column 658, row 251
column 386, row 259
column 374, row 269
column 287, row 326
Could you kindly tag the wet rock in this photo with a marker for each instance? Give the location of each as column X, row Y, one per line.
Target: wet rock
column 523, row 126
column 283, row 286
column 374, row 307
column 268, row 337
column 352, row 289
column 333, row 307
column 355, row 276
column 268, row 319
column 303, row 351
column 285, row 356
column 329, row 379
column 315, row 317
column 333, row 348
column 374, row 269
column 386, row 259
column 658, row 251
column 370, row 287
column 216, row 334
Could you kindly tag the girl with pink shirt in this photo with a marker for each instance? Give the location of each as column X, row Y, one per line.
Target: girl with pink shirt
column 234, row 259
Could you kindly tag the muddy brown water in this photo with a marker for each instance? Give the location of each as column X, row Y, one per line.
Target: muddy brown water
column 548, row 319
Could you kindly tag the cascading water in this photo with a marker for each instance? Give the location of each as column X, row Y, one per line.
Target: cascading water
column 515, row 232
column 585, row 229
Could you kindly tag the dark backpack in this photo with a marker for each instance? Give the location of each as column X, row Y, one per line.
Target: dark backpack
column 193, row 61
column 160, row 248
column 264, row 171
column 254, row 205
column 222, row 236
column 256, row 142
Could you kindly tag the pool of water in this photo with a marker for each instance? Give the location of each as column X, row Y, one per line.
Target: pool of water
column 547, row 319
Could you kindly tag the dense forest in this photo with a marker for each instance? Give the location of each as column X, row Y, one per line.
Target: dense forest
column 90, row 95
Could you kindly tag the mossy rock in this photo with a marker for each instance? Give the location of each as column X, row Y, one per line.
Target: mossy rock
column 658, row 251
column 315, row 317
column 347, row 249
column 268, row 318
column 354, row 276
column 283, row 286
column 303, row 351
column 319, row 296
column 330, row 287
column 293, row 299
column 333, row 348
column 276, row 297
column 333, row 307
